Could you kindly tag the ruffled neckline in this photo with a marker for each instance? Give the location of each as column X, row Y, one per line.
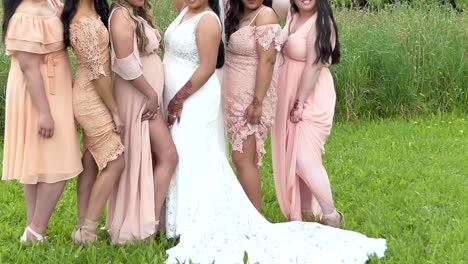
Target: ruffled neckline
column 40, row 34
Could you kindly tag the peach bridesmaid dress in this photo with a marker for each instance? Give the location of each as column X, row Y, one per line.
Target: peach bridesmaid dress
column 238, row 86
column 131, row 206
column 298, row 147
column 90, row 41
column 28, row 157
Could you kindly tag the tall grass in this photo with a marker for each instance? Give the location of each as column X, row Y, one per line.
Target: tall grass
column 402, row 61
column 377, row 4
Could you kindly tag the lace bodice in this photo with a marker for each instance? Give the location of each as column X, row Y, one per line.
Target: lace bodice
column 90, row 41
column 181, row 37
column 243, row 41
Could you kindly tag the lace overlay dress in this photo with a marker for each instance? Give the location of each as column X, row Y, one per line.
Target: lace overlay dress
column 238, row 86
column 90, row 41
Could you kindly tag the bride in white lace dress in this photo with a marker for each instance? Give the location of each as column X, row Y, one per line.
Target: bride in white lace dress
column 206, row 205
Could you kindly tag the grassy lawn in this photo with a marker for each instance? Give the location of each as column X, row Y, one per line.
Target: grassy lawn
column 402, row 180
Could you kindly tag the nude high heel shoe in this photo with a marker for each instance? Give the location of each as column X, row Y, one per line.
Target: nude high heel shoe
column 86, row 233
column 334, row 219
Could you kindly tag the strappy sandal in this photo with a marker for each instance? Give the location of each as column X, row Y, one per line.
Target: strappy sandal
column 330, row 219
column 79, row 224
column 38, row 237
column 86, row 233
column 309, row 216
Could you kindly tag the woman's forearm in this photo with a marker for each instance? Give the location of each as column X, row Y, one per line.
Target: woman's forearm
column 308, row 82
column 37, row 91
column 30, row 65
column 263, row 78
column 104, row 89
column 142, row 85
column 199, row 78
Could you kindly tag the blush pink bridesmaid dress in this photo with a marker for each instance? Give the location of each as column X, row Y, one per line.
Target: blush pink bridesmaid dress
column 301, row 181
column 238, row 86
column 131, row 214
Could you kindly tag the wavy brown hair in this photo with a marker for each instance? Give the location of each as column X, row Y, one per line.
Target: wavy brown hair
column 146, row 12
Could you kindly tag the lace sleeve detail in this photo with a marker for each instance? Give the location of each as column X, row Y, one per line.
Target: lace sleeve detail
column 265, row 35
column 86, row 44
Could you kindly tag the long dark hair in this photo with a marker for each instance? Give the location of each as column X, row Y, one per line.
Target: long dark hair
column 323, row 43
column 69, row 12
column 236, row 9
column 9, row 9
column 214, row 5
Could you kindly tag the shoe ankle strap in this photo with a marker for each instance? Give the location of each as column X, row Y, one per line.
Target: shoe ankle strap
column 36, row 235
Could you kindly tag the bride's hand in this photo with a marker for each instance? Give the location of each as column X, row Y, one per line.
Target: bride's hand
column 174, row 110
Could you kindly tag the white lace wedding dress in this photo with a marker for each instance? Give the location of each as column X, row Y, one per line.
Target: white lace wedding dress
column 207, row 206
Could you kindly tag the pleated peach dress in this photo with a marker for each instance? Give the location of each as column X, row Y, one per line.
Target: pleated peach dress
column 131, row 214
column 297, row 147
column 28, row 157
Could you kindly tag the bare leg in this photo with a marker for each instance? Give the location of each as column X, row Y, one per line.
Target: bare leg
column 85, row 183
column 166, row 159
column 30, row 193
column 103, row 187
column 249, row 175
column 47, row 196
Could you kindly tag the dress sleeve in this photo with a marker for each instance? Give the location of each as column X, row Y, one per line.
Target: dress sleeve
column 130, row 67
column 266, row 35
column 34, row 34
column 86, row 40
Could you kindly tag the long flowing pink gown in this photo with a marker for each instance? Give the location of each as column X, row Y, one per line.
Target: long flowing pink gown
column 131, row 214
column 300, row 178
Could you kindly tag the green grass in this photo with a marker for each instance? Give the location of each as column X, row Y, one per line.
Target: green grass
column 402, row 180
